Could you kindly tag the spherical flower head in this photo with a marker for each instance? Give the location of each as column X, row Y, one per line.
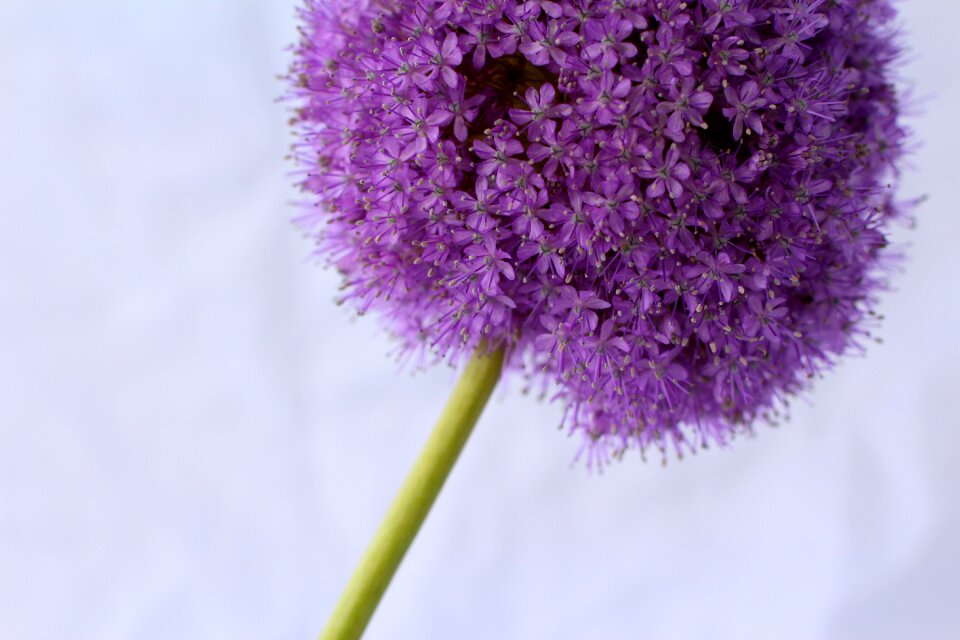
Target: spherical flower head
column 673, row 210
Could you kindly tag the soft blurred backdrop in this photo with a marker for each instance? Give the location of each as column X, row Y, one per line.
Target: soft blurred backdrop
column 195, row 442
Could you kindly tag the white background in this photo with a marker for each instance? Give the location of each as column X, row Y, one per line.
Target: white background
column 196, row 443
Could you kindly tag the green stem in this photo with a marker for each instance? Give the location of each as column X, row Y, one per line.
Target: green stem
column 412, row 504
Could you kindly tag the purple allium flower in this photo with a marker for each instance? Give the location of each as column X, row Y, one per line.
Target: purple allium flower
column 674, row 210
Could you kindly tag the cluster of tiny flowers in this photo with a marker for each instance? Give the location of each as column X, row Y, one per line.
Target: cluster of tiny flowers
column 673, row 211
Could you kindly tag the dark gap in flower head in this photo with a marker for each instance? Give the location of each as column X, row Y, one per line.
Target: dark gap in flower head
column 820, row 43
column 719, row 132
column 503, row 81
column 745, row 149
column 858, row 120
column 636, row 38
column 653, row 23
column 719, row 135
